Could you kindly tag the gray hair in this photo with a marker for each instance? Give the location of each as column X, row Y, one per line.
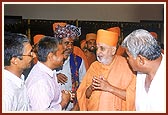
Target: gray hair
column 141, row 42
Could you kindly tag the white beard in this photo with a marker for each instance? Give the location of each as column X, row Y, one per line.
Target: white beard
column 104, row 61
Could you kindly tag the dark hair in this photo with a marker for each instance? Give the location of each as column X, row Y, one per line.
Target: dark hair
column 45, row 46
column 13, row 46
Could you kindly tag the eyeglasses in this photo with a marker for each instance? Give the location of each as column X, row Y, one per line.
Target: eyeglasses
column 21, row 57
column 30, row 55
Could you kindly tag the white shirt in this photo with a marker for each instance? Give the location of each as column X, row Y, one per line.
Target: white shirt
column 67, row 72
column 154, row 100
column 14, row 93
column 43, row 91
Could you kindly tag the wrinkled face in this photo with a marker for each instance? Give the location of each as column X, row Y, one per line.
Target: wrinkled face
column 58, row 57
column 67, row 44
column 91, row 45
column 27, row 57
column 132, row 61
column 104, row 53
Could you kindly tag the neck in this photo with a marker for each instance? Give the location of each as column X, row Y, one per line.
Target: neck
column 48, row 65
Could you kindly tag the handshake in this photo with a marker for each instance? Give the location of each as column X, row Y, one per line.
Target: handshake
column 72, row 95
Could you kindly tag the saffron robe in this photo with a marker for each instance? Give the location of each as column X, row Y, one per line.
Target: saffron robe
column 117, row 74
column 120, row 50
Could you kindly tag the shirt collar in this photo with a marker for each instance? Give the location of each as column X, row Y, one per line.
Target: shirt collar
column 46, row 69
column 16, row 80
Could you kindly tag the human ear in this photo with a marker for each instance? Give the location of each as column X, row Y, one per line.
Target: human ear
column 141, row 60
column 50, row 56
column 113, row 50
column 14, row 60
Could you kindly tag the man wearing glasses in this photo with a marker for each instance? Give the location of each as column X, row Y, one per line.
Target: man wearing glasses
column 18, row 56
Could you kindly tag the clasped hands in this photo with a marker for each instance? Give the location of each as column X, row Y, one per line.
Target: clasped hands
column 98, row 83
column 63, row 79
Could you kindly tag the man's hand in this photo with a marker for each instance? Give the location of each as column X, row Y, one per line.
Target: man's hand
column 101, row 84
column 61, row 78
column 65, row 98
column 73, row 95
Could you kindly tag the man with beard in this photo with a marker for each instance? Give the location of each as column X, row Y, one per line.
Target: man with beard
column 18, row 56
column 73, row 69
column 109, row 84
column 91, row 47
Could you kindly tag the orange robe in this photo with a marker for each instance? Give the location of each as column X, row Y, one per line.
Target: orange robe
column 120, row 51
column 77, row 51
column 119, row 75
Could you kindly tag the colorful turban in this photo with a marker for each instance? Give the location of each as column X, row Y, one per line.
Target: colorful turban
column 91, row 36
column 115, row 29
column 107, row 37
column 63, row 30
column 154, row 34
column 37, row 38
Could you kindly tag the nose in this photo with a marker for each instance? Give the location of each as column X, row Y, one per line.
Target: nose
column 93, row 44
column 70, row 45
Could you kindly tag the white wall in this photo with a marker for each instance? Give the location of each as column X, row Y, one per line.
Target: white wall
column 111, row 11
column 87, row 12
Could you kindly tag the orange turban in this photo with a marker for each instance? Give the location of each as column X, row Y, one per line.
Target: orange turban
column 37, row 38
column 115, row 29
column 62, row 24
column 154, row 34
column 107, row 37
column 91, row 36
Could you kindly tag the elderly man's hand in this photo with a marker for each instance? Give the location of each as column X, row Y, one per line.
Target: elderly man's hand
column 101, row 84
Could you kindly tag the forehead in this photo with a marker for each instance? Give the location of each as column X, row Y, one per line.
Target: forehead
column 67, row 40
column 102, row 45
column 92, row 40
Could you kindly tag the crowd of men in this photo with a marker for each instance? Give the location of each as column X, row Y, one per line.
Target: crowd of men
column 100, row 75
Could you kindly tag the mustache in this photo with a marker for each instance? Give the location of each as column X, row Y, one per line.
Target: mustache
column 93, row 47
column 68, row 49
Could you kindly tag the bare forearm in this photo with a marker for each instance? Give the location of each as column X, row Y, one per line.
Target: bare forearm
column 65, row 98
column 63, row 104
column 118, row 92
